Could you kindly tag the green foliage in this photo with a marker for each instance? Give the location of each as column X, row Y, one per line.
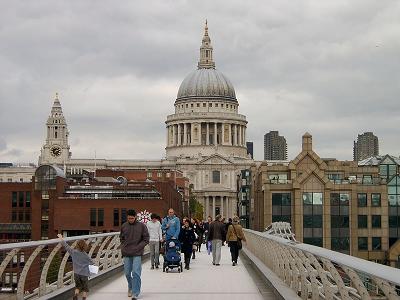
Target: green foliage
column 196, row 209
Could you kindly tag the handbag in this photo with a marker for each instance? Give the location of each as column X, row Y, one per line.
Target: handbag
column 239, row 240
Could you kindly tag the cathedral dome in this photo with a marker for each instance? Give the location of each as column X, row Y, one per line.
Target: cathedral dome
column 208, row 84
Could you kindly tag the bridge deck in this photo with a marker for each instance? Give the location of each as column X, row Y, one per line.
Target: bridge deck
column 202, row 281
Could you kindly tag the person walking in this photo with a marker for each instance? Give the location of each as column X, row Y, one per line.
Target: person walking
column 187, row 238
column 234, row 237
column 134, row 237
column 217, row 235
column 200, row 233
column 207, row 233
column 155, row 233
column 80, row 264
column 171, row 225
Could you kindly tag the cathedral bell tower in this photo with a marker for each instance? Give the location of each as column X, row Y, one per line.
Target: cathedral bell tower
column 56, row 147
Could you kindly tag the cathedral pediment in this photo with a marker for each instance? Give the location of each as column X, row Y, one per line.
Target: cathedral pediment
column 215, row 159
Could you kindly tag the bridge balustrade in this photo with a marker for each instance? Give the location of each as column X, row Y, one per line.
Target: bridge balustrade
column 318, row 273
column 34, row 269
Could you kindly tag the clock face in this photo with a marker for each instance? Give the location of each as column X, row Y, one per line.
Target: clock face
column 55, row 151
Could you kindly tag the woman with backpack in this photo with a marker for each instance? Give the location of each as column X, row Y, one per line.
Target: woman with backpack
column 234, row 237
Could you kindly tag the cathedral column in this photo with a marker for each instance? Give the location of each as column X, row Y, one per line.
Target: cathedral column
column 222, row 133
column 191, row 142
column 240, row 136
column 208, row 134
column 185, row 134
column 167, row 136
column 228, row 212
column 207, row 206
column 215, row 133
column 230, row 134
column 173, row 135
column 199, row 134
column 234, row 135
column 244, row 135
column 221, row 199
column 179, row 134
column 213, row 207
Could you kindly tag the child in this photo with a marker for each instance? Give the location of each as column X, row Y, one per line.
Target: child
column 81, row 262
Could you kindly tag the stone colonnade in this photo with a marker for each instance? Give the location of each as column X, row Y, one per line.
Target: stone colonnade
column 223, row 205
column 206, row 133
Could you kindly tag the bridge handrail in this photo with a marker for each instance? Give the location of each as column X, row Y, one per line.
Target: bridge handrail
column 309, row 269
column 104, row 251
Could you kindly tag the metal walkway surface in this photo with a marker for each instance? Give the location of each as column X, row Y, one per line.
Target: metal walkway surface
column 202, row 281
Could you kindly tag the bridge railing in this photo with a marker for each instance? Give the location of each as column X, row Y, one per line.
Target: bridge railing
column 34, row 269
column 318, row 273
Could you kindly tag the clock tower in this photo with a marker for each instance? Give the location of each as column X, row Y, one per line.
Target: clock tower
column 56, row 147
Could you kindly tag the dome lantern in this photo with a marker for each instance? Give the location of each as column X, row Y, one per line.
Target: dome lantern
column 206, row 52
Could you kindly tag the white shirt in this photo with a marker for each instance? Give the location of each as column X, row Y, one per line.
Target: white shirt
column 155, row 232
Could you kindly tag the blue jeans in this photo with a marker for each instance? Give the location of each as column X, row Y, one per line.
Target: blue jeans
column 133, row 271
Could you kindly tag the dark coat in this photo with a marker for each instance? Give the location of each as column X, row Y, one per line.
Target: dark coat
column 217, row 231
column 187, row 238
column 134, row 237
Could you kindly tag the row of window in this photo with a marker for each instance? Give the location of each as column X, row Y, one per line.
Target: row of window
column 375, row 221
column 228, row 106
column 362, row 200
column 21, row 216
column 21, row 199
column 97, row 216
column 11, row 180
column 363, row 243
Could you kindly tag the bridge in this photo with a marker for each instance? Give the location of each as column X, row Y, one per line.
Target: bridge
column 271, row 266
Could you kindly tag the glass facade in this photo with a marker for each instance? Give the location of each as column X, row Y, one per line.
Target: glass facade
column 394, row 209
column 281, row 207
column 312, row 218
column 340, row 227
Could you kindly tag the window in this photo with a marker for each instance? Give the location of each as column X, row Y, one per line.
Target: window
column 13, row 216
column 376, row 243
column 187, row 105
column 375, row 199
column 100, row 217
column 191, row 104
column 376, row 221
column 116, row 217
column 20, row 216
column 159, row 174
column 362, row 200
column 362, row 221
column 363, row 243
column 14, row 199
column 28, row 199
column 216, row 104
column 367, row 179
column 198, row 104
column 281, row 207
column 216, row 176
column 312, row 218
column 123, row 215
column 27, row 216
column 21, row 199
column 149, row 174
column 204, row 104
column 168, row 175
column 209, row 104
column 93, row 217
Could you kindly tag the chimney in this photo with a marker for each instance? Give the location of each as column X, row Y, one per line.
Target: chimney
column 307, row 142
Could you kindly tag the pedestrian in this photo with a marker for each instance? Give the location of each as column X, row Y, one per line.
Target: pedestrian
column 155, row 233
column 134, row 237
column 194, row 226
column 207, row 233
column 187, row 238
column 217, row 235
column 80, row 263
column 234, row 237
column 171, row 225
column 200, row 233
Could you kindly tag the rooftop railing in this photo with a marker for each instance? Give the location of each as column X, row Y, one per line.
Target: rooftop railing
column 317, row 273
column 34, row 269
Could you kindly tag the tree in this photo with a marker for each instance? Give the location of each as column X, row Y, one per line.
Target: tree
column 195, row 207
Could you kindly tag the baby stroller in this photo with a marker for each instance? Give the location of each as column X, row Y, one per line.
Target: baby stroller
column 172, row 256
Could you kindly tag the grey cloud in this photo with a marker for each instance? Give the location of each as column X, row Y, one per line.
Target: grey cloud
column 330, row 68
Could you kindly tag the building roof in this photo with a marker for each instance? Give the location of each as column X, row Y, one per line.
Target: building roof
column 206, row 83
column 376, row 160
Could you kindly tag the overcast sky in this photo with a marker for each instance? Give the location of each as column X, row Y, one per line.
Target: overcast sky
column 331, row 68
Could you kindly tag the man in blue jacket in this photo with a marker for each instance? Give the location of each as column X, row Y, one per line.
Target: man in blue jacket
column 171, row 225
